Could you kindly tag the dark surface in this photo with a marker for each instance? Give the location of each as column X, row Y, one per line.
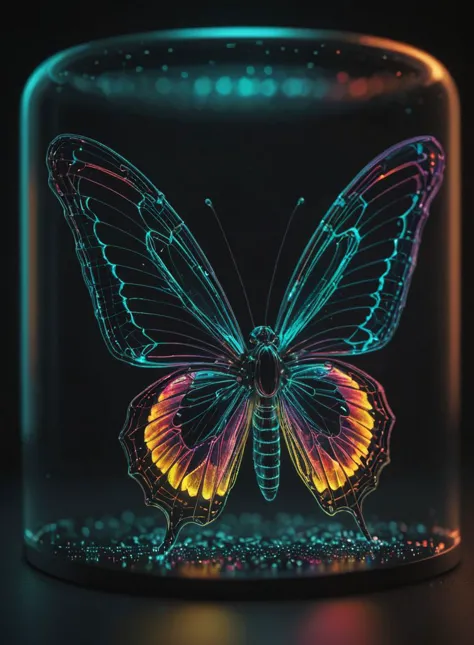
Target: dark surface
column 37, row 608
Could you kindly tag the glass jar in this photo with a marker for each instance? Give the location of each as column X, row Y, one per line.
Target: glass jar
column 178, row 161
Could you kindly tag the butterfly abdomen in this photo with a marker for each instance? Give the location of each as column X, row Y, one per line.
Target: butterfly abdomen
column 266, row 446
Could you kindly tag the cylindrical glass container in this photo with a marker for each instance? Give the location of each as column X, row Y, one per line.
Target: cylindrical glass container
column 287, row 403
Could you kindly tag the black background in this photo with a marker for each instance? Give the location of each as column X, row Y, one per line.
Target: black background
column 33, row 33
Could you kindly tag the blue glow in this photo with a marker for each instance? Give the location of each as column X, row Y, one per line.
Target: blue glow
column 268, row 70
column 224, row 85
column 268, row 87
column 203, row 86
column 293, row 87
column 245, row 87
column 163, row 86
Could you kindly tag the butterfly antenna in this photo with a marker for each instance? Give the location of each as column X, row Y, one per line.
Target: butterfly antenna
column 209, row 203
column 299, row 203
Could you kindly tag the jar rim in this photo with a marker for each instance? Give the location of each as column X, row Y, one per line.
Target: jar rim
column 436, row 71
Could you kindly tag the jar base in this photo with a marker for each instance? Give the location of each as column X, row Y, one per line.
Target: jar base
column 242, row 557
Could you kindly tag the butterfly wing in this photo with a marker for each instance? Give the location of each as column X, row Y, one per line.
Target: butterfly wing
column 336, row 423
column 184, row 438
column 350, row 285
column 155, row 295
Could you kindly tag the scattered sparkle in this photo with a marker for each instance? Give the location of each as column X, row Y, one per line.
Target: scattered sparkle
column 244, row 546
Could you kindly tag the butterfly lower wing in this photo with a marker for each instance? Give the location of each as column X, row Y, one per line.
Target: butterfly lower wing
column 336, row 423
column 155, row 295
column 350, row 285
column 184, row 438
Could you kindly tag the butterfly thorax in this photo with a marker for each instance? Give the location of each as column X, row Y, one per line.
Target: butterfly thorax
column 262, row 367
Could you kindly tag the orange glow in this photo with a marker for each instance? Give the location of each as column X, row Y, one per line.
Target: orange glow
column 354, row 622
column 435, row 71
column 358, row 87
column 376, row 85
column 349, row 448
column 192, row 481
column 215, row 473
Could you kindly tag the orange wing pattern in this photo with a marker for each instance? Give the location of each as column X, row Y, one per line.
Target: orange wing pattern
column 337, row 423
column 184, row 439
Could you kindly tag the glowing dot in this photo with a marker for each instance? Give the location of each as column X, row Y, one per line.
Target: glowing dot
column 184, row 74
column 139, row 68
column 268, row 70
column 146, row 52
column 163, row 86
column 342, row 77
column 128, row 56
column 338, row 51
column 250, row 70
column 408, row 110
column 310, row 65
column 293, row 86
column 170, row 50
column 245, row 87
column 268, row 87
column 224, row 85
column 164, row 68
column 203, row 86
column 358, row 87
column 398, row 74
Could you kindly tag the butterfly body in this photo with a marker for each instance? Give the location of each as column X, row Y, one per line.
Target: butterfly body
column 159, row 305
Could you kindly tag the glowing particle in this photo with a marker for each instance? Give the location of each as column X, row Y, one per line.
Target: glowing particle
column 224, row 85
column 293, row 87
column 184, row 74
column 398, row 73
column 146, row 52
column 250, row 70
column 268, row 87
column 342, row 77
column 164, row 68
column 310, row 65
column 170, row 50
column 245, row 87
column 203, row 86
column 139, row 68
column 358, row 87
column 163, row 86
column 128, row 56
column 230, row 45
column 338, row 51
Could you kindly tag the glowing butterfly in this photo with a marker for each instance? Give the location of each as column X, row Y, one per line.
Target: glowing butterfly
column 184, row 436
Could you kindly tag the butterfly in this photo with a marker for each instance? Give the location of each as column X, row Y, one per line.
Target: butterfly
column 159, row 304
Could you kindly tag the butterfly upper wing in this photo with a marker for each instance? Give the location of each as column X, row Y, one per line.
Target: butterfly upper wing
column 336, row 423
column 349, row 287
column 184, row 438
column 155, row 295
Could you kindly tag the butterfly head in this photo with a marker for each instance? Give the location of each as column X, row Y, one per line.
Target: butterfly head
column 264, row 335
